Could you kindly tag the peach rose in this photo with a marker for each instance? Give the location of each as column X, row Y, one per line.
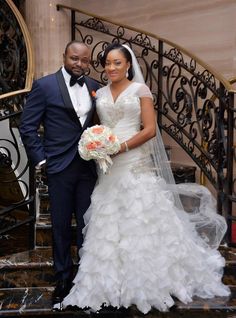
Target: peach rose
column 112, row 138
column 97, row 130
column 98, row 143
column 91, row 145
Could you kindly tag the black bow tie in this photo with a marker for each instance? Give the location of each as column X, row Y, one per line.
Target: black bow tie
column 74, row 80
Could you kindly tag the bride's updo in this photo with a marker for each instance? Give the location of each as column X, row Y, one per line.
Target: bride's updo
column 126, row 53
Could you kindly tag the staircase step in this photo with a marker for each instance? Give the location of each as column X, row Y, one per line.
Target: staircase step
column 36, row 301
column 23, row 300
column 44, row 231
column 15, row 241
column 29, row 269
column 26, row 284
column 44, row 206
column 229, row 277
column 35, row 268
column 229, row 254
column 30, row 302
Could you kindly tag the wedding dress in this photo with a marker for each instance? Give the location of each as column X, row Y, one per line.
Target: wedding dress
column 137, row 249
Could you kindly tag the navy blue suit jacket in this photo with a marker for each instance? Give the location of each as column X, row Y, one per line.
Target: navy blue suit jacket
column 49, row 103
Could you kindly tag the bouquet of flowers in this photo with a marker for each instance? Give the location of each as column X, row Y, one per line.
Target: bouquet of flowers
column 98, row 142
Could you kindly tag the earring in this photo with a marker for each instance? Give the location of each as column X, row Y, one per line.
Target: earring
column 127, row 73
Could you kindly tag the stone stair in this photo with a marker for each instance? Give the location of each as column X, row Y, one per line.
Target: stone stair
column 26, row 284
column 27, row 281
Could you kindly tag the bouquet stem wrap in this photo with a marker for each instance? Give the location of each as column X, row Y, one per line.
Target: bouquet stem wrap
column 105, row 163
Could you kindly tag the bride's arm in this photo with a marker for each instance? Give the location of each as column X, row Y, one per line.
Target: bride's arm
column 149, row 126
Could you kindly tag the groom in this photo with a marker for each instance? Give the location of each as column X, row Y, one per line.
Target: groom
column 63, row 103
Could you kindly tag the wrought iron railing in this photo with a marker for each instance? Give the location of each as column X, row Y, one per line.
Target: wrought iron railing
column 17, row 203
column 182, row 86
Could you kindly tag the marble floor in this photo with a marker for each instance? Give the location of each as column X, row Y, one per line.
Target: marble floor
column 27, row 281
column 26, row 284
column 36, row 301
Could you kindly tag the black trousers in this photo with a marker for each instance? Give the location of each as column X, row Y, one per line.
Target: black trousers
column 69, row 193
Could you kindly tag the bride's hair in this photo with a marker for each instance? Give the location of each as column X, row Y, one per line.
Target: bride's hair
column 126, row 53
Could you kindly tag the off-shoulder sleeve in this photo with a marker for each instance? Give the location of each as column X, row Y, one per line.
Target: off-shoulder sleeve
column 144, row 91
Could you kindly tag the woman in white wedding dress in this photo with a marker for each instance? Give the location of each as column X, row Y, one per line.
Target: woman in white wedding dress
column 140, row 247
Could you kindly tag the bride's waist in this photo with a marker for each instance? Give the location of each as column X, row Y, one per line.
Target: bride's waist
column 124, row 135
column 139, row 155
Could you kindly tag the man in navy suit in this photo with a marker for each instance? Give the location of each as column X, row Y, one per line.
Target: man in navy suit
column 64, row 104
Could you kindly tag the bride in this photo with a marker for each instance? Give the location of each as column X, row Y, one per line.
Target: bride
column 140, row 247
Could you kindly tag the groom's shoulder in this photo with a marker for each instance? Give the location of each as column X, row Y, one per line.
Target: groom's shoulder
column 93, row 81
column 45, row 83
column 46, row 78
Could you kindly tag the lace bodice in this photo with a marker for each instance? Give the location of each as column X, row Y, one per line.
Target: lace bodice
column 123, row 114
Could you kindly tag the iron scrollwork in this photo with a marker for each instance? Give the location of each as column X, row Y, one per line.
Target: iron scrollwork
column 16, row 199
column 187, row 109
column 13, row 57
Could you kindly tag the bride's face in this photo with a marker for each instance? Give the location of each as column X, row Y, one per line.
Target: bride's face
column 116, row 65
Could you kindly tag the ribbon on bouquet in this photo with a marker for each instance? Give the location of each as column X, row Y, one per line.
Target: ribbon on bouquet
column 105, row 163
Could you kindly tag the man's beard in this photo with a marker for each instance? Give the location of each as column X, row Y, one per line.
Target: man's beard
column 75, row 75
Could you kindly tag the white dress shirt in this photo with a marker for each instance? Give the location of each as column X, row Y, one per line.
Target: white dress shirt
column 79, row 96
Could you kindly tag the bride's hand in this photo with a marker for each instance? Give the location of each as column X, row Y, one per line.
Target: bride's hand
column 122, row 149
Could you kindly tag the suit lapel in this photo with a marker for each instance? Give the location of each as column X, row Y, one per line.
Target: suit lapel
column 66, row 98
column 91, row 112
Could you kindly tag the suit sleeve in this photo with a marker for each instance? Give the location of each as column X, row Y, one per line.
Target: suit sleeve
column 30, row 122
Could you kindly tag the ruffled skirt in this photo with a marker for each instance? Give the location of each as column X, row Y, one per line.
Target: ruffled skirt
column 137, row 250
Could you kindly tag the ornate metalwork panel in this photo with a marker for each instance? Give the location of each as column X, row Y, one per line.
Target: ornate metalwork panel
column 13, row 57
column 16, row 179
